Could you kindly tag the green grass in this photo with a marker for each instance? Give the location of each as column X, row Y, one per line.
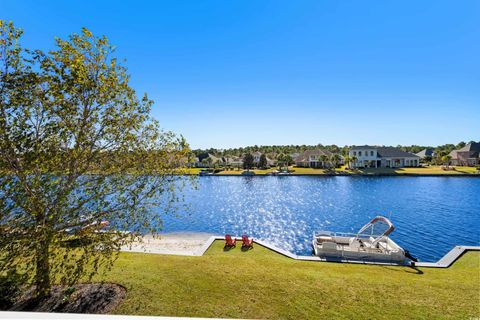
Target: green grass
column 192, row 170
column 421, row 170
column 262, row 284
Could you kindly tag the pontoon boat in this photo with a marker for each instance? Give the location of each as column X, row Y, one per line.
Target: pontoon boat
column 370, row 244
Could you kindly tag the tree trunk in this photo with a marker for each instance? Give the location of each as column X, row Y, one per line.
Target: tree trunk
column 42, row 275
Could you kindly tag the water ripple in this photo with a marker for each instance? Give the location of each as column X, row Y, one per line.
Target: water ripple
column 432, row 214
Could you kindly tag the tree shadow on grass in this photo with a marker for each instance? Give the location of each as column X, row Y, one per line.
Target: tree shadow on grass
column 408, row 269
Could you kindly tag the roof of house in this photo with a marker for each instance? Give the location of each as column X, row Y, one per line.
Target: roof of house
column 474, row 146
column 428, row 152
column 363, row 147
column 214, row 158
column 316, row 152
column 388, row 152
column 453, row 154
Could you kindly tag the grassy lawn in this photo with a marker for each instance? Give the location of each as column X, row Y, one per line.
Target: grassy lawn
column 438, row 170
column 262, row 284
column 192, row 170
column 422, row 170
column 299, row 170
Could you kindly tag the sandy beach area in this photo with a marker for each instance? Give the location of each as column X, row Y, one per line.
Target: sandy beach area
column 176, row 243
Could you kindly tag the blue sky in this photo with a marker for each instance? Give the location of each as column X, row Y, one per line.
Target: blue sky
column 238, row 73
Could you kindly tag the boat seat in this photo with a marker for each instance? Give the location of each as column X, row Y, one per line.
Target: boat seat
column 329, row 246
column 322, row 239
column 357, row 243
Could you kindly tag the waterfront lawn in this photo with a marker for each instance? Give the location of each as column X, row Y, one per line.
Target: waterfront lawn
column 420, row 170
column 193, row 171
column 301, row 170
column 262, row 284
column 257, row 171
column 438, row 170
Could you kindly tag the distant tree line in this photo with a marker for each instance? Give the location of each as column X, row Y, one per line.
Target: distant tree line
column 274, row 151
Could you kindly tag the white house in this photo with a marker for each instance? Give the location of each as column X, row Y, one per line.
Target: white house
column 256, row 156
column 382, row 157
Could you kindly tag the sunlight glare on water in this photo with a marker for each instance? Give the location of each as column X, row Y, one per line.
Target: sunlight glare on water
column 431, row 214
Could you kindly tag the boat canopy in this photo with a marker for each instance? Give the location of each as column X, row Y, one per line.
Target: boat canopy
column 377, row 220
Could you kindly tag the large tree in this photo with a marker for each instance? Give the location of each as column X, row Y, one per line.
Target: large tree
column 81, row 160
column 288, row 160
column 248, row 161
column 262, row 162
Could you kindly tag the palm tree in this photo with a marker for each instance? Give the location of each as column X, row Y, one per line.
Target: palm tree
column 440, row 156
column 280, row 161
column 324, row 159
column 335, row 159
column 205, row 162
column 209, row 161
column 446, row 160
column 353, row 159
column 347, row 160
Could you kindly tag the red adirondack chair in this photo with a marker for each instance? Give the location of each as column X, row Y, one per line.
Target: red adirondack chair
column 229, row 241
column 247, row 243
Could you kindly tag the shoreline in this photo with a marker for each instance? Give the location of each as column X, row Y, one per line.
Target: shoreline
column 171, row 243
column 197, row 244
column 422, row 171
column 463, row 175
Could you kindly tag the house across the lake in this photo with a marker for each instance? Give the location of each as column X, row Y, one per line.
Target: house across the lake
column 313, row 159
column 294, row 156
column 382, row 157
column 426, row 153
column 467, row 156
column 256, row 159
column 233, row 161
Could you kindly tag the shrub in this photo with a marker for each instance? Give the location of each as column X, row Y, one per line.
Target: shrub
column 10, row 288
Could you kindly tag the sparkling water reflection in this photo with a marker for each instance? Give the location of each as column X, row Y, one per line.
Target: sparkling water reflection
column 431, row 214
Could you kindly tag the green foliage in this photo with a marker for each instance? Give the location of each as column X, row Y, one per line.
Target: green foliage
column 77, row 148
column 67, row 293
column 323, row 158
column 248, row 161
column 335, row 160
column 262, row 163
column 10, row 288
column 446, row 160
column 274, row 151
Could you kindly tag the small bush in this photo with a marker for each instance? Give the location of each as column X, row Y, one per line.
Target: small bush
column 10, row 288
column 68, row 292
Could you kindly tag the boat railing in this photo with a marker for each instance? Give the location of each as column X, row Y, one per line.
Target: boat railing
column 344, row 234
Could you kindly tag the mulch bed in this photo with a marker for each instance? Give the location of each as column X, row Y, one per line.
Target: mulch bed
column 86, row 298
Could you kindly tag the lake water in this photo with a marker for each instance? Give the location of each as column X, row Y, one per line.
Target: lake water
column 431, row 214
